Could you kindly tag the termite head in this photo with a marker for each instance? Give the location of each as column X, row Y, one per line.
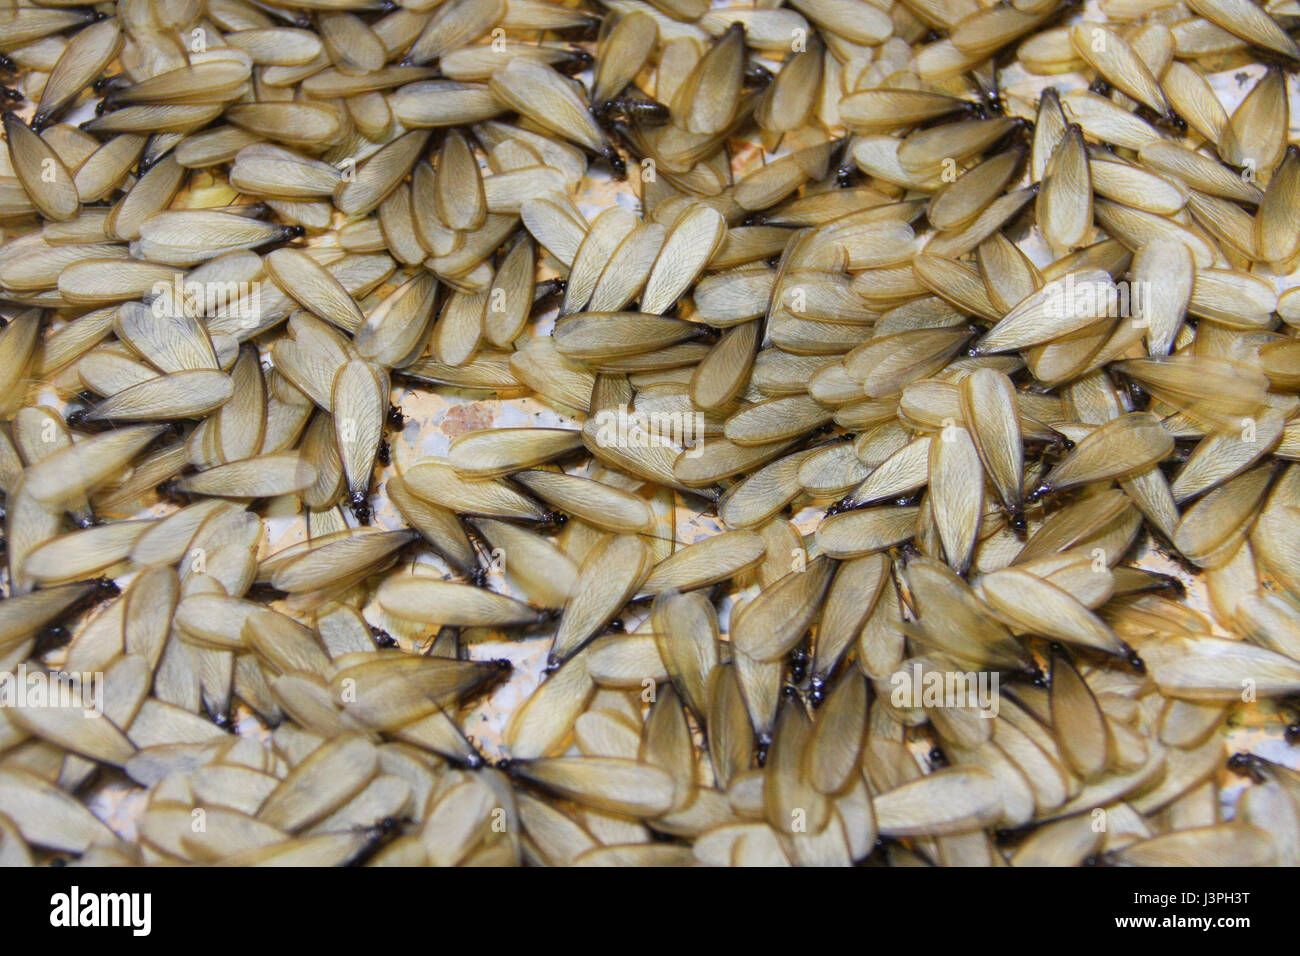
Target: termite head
column 817, row 691
column 841, row 506
column 757, row 76
column 51, row 638
column 106, row 588
column 396, row 417
column 799, row 664
column 382, row 638
column 360, row 507
column 549, row 289
column 1247, row 765
column 615, row 161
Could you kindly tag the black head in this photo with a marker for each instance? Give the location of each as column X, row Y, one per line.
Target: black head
column 817, row 691
column 798, row 665
column 360, row 507
column 51, row 638
column 382, row 637
column 574, row 62
column 106, row 588
column 169, row 490
column 384, row 453
column 841, row 506
column 616, row 163
column 1248, row 765
column 757, row 75
column 549, row 289
column 396, row 418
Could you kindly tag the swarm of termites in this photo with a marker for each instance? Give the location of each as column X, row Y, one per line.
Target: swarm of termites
column 896, row 403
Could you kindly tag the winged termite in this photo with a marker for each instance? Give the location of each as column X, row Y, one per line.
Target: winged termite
column 187, row 238
column 43, row 176
column 358, row 404
column 609, row 576
column 619, row 786
column 955, row 800
column 1252, row 136
column 547, row 575
column 453, row 26
column 258, row 477
column 1034, row 605
column 956, row 483
column 537, row 91
column 184, row 394
column 602, row 505
column 1122, row 446
column 501, row 451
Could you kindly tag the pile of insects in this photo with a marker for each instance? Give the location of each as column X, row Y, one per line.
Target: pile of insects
column 941, row 317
